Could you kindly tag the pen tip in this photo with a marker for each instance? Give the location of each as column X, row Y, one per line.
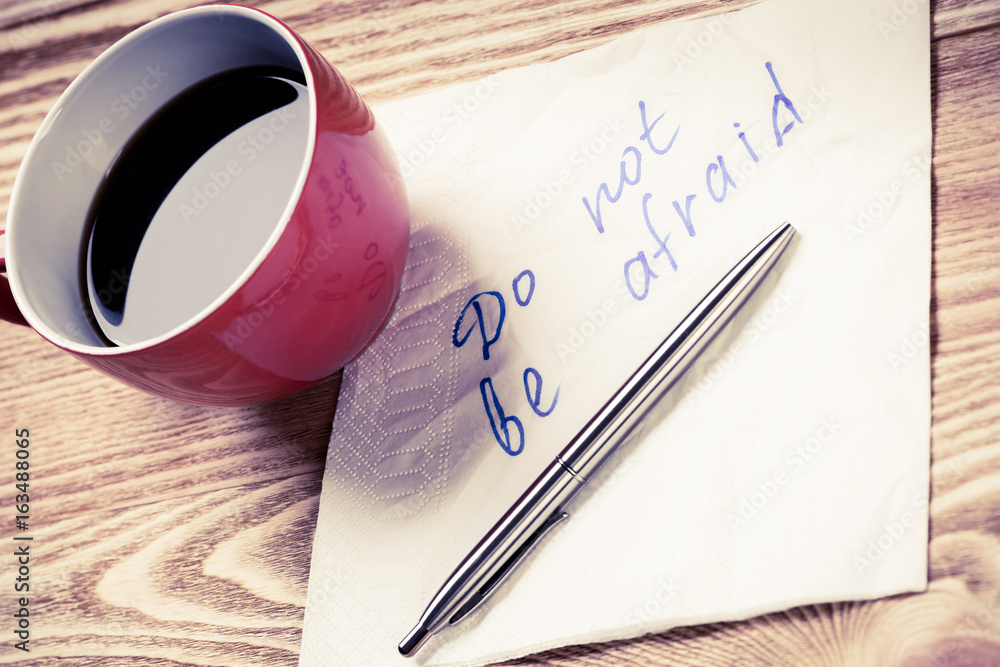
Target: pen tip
column 413, row 640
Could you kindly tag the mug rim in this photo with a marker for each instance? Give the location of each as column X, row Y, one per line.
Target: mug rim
column 82, row 79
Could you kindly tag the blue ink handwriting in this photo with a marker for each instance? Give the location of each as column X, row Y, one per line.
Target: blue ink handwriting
column 502, row 434
column 477, row 306
column 623, row 173
column 639, row 269
column 490, row 312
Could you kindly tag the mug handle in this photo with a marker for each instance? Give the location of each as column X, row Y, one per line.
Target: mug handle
column 8, row 309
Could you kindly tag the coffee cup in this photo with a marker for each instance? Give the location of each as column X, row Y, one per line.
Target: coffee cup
column 210, row 213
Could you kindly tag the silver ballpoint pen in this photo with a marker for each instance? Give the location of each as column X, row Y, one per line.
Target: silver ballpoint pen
column 541, row 506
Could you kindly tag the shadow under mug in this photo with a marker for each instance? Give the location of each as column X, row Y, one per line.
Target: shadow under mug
column 318, row 290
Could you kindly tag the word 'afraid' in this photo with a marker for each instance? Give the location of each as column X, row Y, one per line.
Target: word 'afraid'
column 639, row 271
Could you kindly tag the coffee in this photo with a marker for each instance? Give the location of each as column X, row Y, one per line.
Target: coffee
column 189, row 201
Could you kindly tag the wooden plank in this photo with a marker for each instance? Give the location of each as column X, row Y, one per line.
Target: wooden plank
column 156, row 583
column 955, row 17
column 103, row 445
column 20, row 19
column 966, row 244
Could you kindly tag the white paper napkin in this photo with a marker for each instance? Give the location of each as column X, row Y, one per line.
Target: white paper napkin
column 789, row 467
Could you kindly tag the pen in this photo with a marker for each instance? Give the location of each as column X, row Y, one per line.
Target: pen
column 541, row 506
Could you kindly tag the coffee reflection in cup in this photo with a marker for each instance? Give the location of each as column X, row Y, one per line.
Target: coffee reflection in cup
column 179, row 215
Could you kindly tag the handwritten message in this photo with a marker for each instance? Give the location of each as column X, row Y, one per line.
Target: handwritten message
column 485, row 313
column 639, row 270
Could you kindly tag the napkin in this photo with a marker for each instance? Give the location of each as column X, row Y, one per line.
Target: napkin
column 566, row 216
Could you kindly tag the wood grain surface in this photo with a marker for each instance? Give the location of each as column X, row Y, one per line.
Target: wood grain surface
column 167, row 534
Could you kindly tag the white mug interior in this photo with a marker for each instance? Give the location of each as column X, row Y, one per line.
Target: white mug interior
column 91, row 122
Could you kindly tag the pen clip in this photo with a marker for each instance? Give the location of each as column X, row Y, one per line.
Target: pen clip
column 507, row 567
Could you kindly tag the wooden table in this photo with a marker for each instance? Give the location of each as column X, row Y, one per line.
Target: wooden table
column 166, row 534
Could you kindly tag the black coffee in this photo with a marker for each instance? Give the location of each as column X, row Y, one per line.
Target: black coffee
column 191, row 199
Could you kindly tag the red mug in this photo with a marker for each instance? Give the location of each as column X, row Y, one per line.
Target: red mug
column 312, row 287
